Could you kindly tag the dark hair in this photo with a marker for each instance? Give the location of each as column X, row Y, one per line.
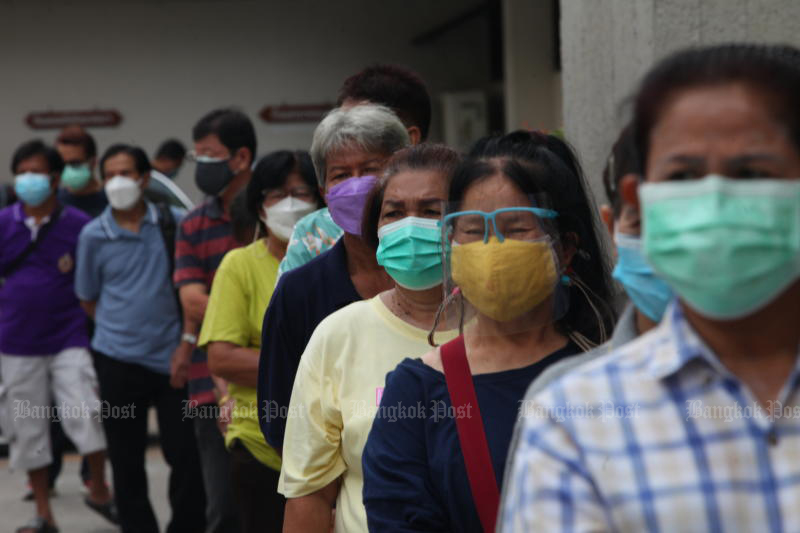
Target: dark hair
column 232, row 127
column 271, row 172
column 542, row 165
column 772, row 69
column 34, row 148
column 171, row 149
column 75, row 135
column 432, row 157
column 621, row 162
column 398, row 88
column 137, row 154
column 243, row 222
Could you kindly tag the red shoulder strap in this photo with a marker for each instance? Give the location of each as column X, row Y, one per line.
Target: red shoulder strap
column 471, row 434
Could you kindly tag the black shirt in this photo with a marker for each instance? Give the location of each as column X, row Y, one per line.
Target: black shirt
column 92, row 204
column 303, row 297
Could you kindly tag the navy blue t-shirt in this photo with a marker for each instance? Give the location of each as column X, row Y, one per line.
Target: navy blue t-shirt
column 414, row 473
column 303, row 297
column 93, row 204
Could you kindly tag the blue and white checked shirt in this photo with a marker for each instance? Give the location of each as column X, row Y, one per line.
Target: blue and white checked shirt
column 656, row 436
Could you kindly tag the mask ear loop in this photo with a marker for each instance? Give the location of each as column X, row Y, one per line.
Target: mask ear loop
column 452, row 296
column 580, row 339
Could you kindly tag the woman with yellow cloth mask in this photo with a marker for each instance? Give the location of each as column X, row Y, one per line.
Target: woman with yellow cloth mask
column 342, row 372
column 283, row 189
column 529, row 275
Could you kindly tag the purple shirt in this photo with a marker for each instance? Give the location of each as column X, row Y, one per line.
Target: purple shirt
column 39, row 312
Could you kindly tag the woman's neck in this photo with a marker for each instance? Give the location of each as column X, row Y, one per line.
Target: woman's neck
column 494, row 346
column 275, row 246
column 760, row 349
column 367, row 275
column 418, row 308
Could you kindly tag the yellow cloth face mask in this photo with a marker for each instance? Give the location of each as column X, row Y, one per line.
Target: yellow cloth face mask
column 505, row 279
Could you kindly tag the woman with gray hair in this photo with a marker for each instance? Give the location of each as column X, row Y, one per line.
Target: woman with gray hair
column 351, row 145
column 342, row 371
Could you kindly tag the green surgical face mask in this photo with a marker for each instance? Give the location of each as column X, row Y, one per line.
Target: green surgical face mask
column 75, row 177
column 726, row 247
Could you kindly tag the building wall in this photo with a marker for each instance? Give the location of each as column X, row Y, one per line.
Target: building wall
column 607, row 45
column 164, row 63
column 532, row 83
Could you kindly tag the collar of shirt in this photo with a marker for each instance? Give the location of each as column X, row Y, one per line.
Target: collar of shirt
column 112, row 229
column 625, row 330
column 215, row 210
column 29, row 222
column 677, row 345
column 336, row 275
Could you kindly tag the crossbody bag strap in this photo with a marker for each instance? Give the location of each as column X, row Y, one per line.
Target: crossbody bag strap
column 471, row 434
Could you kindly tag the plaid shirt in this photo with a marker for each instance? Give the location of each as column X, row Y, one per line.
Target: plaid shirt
column 656, row 436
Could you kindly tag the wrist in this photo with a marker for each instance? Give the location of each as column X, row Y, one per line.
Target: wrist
column 189, row 338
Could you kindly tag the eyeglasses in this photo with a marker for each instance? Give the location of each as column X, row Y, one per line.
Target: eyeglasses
column 301, row 193
column 193, row 157
column 517, row 223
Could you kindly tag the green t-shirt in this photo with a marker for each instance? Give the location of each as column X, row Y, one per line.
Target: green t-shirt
column 240, row 293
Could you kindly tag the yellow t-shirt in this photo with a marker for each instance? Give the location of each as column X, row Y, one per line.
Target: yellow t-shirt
column 335, row 398
column 239, row 296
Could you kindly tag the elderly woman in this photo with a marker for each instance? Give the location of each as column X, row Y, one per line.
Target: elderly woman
column 342, row 371
column 282, row 190
column 350, row 146
column 717, row 134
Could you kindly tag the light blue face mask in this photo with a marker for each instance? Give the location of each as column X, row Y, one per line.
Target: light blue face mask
column 649, row 294
column 410, row 251
column 33, row 189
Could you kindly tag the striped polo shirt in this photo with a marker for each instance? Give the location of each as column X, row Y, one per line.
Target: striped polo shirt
column 204, row 237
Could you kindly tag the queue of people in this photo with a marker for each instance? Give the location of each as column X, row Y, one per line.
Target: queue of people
column 384, row 334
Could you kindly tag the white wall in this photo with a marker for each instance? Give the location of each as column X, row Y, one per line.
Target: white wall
column 164, row 63
column 607, row 45
column 533, row 86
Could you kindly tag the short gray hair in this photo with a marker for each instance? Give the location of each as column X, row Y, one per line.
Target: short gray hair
column 370, row 127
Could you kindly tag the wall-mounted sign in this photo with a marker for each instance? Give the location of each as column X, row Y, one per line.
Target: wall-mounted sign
column 95, row 118
column 287, row 113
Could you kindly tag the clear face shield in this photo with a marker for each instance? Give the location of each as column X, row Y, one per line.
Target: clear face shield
column 503, row 267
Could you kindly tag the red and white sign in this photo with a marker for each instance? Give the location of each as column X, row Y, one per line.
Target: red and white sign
column 287, row 113
column 95, row 118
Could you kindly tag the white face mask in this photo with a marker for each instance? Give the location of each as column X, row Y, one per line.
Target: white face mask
column 123, row 192
column 281, row 217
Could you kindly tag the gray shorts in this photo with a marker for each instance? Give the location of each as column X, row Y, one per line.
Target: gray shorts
column 30, row 387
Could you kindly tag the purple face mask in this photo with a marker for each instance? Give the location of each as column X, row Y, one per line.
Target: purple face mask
column 346, row 202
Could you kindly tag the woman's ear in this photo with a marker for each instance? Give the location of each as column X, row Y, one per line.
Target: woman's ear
column 569, row 247
column 415, row 134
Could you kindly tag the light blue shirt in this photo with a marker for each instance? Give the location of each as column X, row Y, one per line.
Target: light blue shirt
column 127, row 274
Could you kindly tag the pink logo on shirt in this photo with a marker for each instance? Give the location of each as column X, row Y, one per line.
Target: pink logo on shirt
column 378, row 395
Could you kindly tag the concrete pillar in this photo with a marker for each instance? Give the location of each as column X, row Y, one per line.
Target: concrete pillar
column 607, row 45
column 532, row 84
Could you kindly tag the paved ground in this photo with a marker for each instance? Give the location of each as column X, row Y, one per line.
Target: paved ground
column 71, row 513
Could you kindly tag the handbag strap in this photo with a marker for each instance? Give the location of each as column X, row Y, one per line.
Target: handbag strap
column 15, row 263
column 471, row 434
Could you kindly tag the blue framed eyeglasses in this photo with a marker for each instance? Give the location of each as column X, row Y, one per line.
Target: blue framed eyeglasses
column 514, row 222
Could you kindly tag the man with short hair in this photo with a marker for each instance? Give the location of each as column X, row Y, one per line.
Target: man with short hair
column 80, row 187
column 224, row 149
column 399, row 89
column 169, row 158
column 124, row 281
column 43, row 334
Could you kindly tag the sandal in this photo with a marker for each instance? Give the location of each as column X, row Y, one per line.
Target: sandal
column 107, row 510
column 38, row 525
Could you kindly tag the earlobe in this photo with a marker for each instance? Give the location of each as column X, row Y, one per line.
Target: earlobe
column 607, row 215
column 415, row 134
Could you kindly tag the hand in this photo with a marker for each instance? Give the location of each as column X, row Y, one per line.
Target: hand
column 179, row 365
column 225, row 414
